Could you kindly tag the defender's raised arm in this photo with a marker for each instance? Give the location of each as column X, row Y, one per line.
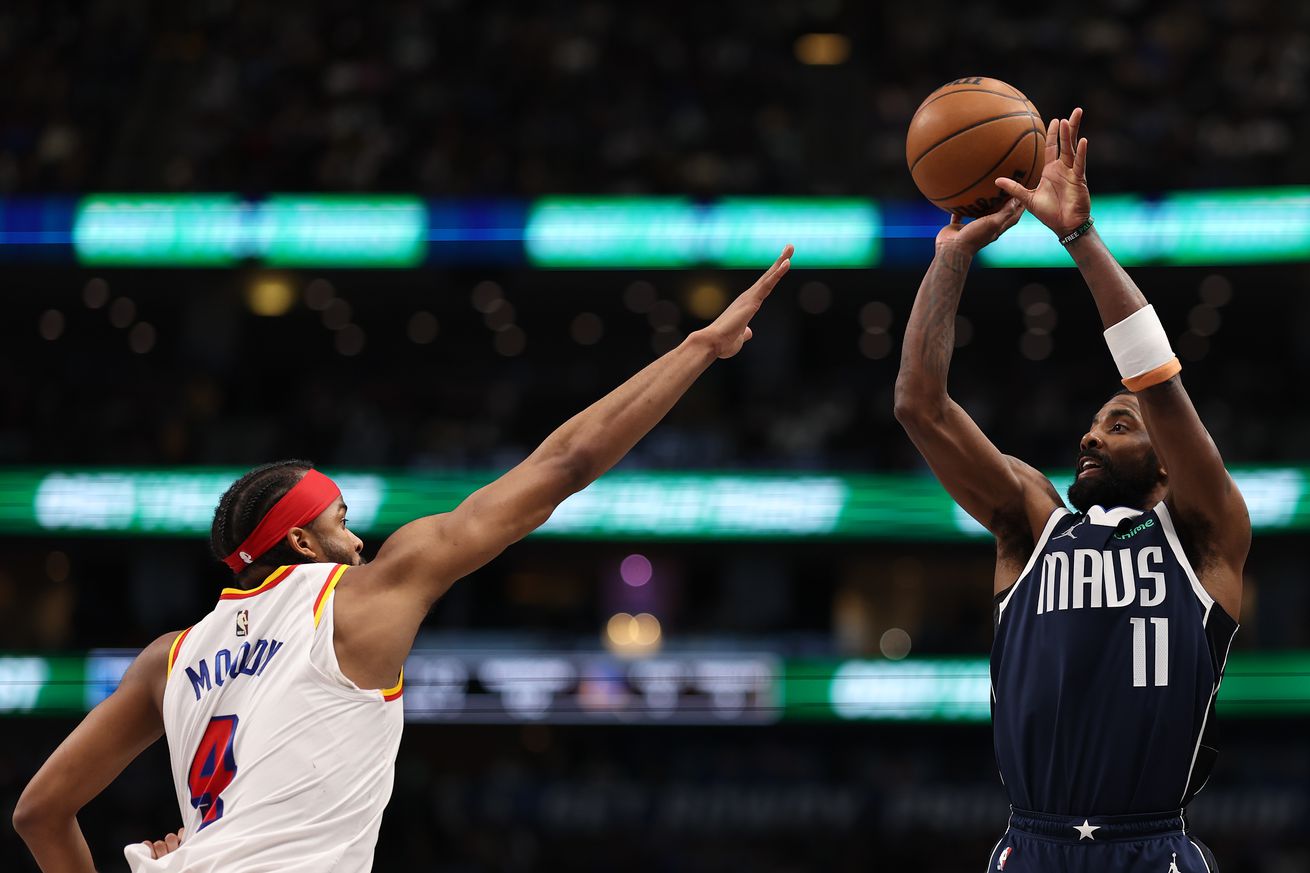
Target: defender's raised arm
column 384, row 602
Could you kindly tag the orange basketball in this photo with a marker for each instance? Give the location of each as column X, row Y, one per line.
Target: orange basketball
column 968, row 133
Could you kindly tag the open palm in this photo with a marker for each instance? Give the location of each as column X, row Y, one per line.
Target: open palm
column 1061, row 200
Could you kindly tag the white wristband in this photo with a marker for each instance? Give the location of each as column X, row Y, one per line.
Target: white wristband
column 1139, row 343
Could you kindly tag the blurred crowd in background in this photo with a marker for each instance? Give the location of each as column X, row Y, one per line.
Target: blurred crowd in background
column 442, row 369
column 460, row 97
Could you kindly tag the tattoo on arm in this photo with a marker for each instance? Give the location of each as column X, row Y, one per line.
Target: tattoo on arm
column 942, row 288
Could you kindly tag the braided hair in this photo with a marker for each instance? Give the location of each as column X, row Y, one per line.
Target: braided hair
column 241, row 508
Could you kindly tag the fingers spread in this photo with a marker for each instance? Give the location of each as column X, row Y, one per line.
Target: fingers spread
column 1066, row 144
column 1080, row 160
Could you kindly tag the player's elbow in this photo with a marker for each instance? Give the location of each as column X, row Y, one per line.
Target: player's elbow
column 32, row 813
column 913, row 407
column 572, row 470
column 559, row 477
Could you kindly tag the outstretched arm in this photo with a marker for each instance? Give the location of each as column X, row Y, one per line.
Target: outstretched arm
column 1008, row 497
column 106, row 741
column 1209, row 508
column 388, row 598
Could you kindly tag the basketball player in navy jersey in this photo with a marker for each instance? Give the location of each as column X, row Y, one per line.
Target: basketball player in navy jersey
column 1112, row 623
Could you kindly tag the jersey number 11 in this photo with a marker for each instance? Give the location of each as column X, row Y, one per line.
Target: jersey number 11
column 1161, row 626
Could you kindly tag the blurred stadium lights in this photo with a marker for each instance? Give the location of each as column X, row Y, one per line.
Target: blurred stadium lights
column 823, row 49
column 630, row 636
column 1234, row 226
column 636, row 570
column 507, row 685
column 627, row 505
column 270, row 295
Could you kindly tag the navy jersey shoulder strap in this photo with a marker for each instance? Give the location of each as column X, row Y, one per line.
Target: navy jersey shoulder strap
column 1002, row 600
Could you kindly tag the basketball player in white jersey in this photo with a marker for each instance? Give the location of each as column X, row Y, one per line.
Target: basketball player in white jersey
column 282, row 707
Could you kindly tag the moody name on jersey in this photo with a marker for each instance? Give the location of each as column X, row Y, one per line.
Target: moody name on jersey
column 249, row 659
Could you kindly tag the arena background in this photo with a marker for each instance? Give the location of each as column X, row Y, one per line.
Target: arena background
column 405, row 240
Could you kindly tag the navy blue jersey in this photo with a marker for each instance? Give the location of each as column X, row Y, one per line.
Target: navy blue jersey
column 1107, row 658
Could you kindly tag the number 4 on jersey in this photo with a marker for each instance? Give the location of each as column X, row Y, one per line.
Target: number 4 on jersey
column 213, row 768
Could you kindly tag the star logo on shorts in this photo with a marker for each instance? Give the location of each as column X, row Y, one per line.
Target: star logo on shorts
column 1085, row 831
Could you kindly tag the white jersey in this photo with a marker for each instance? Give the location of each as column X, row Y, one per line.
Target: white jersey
column 280, row 762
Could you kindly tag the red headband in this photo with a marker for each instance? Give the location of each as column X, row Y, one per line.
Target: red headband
column 303, row 503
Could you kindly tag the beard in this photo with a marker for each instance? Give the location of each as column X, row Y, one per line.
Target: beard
column 336, row 553
column 1118, row 483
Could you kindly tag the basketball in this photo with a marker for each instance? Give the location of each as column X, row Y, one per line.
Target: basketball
column 966, row 134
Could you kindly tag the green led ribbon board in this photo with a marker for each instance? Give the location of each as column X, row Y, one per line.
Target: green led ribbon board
column 675, row 232
column 1182, row 228
column 959, row 689
column 1188, row 228
column 224, row 231
column 664, row 505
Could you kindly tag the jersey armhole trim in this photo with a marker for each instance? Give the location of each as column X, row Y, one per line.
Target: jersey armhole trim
column 390, row 694
column 1214, row 692
column 320, row 602
column 1171, row 534
column 1057, row 513
column 173, row 650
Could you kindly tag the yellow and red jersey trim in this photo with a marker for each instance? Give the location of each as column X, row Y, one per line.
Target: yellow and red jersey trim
column 173, row 649
column 320, row 602
column 390, row 694
column 239, row 594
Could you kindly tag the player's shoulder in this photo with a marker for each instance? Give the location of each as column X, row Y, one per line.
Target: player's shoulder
column 158, row 648
column 1034, row 478
column 1039, row 500
column 159, row 654
column 149, row 671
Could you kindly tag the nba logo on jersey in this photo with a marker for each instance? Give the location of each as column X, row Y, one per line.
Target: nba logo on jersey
column 1005, row 856
column 243, row 622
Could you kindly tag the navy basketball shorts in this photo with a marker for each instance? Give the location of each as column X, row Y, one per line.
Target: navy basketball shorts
column 1157, row 843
